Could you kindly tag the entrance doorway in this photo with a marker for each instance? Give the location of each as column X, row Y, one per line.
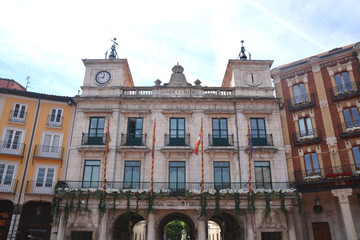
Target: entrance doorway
column 321, row 231
column 229, row 227
column 131, row 226
column 176, row 226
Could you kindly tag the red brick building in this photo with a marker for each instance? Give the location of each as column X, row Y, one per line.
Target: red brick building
column 11, row 84
column 321, row 127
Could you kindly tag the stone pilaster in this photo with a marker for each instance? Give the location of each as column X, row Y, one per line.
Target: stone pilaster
column 201, row 230
column 151, row 226
column 103, row 227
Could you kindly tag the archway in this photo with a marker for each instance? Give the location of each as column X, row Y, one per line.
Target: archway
column 171, row 226
column 127, row 227
column 230, row 228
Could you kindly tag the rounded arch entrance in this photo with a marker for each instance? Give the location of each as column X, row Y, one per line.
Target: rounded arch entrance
column 176, row 216
column 230, row 227
column 123, row 227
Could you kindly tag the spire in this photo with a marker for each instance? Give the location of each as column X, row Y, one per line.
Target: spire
column 242, row 55
column 113, row 53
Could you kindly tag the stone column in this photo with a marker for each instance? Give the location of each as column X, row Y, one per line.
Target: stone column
column 249, row 226
column 103, row 227
column 291, row 225
column 151, row 233
column 201, row 230
column 343, row 194
column 62, row 227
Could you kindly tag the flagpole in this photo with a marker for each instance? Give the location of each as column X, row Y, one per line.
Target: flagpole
column 202, row 159
column 106, row 153
column 152, row 160
column 249, row 154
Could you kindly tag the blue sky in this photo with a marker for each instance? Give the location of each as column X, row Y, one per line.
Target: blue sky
column 47, row 39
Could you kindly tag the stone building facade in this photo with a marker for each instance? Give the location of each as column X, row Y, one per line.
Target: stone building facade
column 320, row 119
column 109, row 100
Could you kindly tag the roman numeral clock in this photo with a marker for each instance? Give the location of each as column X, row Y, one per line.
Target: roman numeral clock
column 252, row 78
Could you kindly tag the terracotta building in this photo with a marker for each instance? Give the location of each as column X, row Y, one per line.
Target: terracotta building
column 321, row 126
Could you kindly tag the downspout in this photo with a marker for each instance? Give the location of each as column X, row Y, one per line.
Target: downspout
column 25, row 168
column 237, row 140
column 356, row 60
column 117, row 141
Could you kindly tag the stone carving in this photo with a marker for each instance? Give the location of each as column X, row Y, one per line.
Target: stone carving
column 177, row 78
column 272, row 221
column 323, row 103
column 82, row 220
column 331, row 141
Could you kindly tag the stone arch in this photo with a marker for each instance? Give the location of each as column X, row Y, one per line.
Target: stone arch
column 230, row 226
column 176, row 216
column 124, row 224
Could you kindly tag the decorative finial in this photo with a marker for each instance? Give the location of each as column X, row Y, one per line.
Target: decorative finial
column 113, row 53
column 242, row 55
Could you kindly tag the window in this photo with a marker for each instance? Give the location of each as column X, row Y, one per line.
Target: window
column 12, row 142
column 343, row 83
column 305, row 127
column 55, row 117
column 44, row 180
column 177, row 132
column 312, row 164
column 356, row 154
column 177, row 176
column 132, row 174
column 135, row 131
column 258, row 131
column 222, row 175
column 96, row 131
column 7, row 172
column 352, row 117
column 19, row 112
column 91, row 174
column 262, row 175
column 299, row 93
column 220, row 134
column 50, row 146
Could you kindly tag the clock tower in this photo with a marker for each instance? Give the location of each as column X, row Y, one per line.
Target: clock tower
column 249, row 77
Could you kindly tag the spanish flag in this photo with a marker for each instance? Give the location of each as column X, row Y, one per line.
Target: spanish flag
column 197, row 145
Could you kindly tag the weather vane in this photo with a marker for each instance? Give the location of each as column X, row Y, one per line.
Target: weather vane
column 242, row 55
column 113, row 53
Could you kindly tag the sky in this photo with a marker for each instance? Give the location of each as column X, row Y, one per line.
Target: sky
column 47, row 40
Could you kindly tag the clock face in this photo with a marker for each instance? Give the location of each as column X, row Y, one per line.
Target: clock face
column 252, row 78
column 102, row 77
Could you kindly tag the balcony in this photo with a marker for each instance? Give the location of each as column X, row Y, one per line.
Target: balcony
column 349, row 129
column 217, row 141
column 265, row 140
column 177, row 141
column 40, row 188
column 309, row 137
column 8, row 185
column 12, row 148
column 43, row 151
column 133, row 139
column 54, row 121
column 92, row 139
column 323, row 179
column 17, row 117
column 344, row 92
column 301, row 102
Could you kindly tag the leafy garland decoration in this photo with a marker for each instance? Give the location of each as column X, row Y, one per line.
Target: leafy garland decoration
column 71, row 204
column 86, row 208
column 150, row 203
column 78, row 205
column 299, row 205
column 137, row 204
column 115, row 195
column 203, row 212
column 217, row 204
column 267, row 202
column 55, row 206
column 251, row 202
column 127, row 213
column 102, row 202
column 66, row 209
column 282, row 202
column 237, row 204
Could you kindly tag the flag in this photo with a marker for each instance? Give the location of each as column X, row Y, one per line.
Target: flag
column 152, row 161
column 108, row 140
column 249, row 153
column 197, row 145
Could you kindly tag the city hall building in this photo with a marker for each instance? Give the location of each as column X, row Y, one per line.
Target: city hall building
column 132, row 173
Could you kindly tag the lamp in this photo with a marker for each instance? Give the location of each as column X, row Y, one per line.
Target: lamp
column 317, row 208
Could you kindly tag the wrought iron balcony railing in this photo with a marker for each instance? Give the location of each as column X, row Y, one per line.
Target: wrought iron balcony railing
column 12, row 148
column 216, row 140
column 16, row 116
column 8, row 185
column 54, row 121
column 310, row 136
column 40, row 187
column 301, row 102
column 262, row 140
column 171, row 140
column 133, row 139
column 172, row 187
column 43, row 151
column 93, row 139
column 349, row 129
column 345, row 91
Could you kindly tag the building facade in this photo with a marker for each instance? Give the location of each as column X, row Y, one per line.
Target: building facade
column 35, row 130
column 106, row 190
column 321, row 127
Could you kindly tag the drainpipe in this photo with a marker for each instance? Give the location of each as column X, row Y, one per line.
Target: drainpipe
column 355, row 54
column 17, row 208
column 237, row 140
column 117, row 140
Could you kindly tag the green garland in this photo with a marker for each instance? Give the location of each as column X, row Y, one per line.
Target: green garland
column 102, row 202
column 282, row 202
column 78, row 205
column 251, row 202
column 127, row 214
column 299, row 205
column 217, row 204
column 267, row 202
column 86, row 208
column 203, row 212
column 66, row 209
column 115, row 195
column 237, row 204
column 150, row 203
column 71, row 204
column 55, row 205
column 137, row 204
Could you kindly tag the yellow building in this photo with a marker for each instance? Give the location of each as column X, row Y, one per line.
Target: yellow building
column 34, row 133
